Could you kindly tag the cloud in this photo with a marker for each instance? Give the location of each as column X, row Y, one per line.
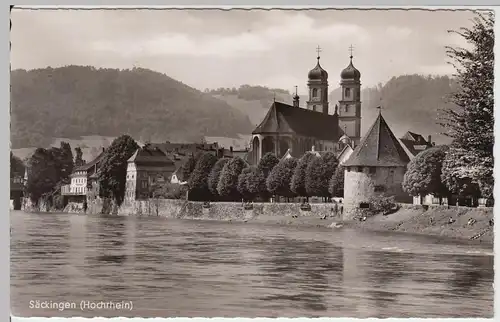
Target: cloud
column 213, row 48
column 291, row 29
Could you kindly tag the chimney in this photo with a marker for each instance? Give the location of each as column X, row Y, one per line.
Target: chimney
column 103, row 149
column 429, row 139
column 231, row 149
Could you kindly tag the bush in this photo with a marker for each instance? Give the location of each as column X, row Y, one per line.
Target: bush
column 170, row 191
column 380, row 205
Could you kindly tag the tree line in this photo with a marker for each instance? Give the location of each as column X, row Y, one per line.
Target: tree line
column 233, row 179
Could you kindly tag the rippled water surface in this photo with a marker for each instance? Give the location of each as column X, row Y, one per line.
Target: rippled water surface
column 169, row 268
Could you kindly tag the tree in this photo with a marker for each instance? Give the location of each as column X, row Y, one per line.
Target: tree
column 459, row 171
column 227, row 187
column 318, row 174
column 213, row 178
column 278, row 182
column 336, row 184
column 243, row 184
column 198, row 181
column 259, row 176
column 314, row 177
column 113, row 171
column 256, row 183
column 43, row 175
column 330, row 164
column 471, row 123
column 64, row 157
column 78, row 157
column 17, row 166
column 298, row 185
column 423, row 174
column 189, row 165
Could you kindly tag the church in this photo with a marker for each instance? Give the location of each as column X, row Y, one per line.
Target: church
column 295, row 130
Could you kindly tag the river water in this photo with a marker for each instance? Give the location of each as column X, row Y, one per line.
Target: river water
column 164, row 267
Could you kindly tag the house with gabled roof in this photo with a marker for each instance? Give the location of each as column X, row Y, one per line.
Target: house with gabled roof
column 415, row 143
column 376, row 167
column 83, row 180
column 148, row 166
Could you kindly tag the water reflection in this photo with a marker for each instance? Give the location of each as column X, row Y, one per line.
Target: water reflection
column 301, row 266
column 172, row 268
column 473, row 275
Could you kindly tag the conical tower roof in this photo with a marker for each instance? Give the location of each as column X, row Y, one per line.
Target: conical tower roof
column 379, row 148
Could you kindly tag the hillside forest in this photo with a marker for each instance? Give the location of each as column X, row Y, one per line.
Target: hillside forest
column 74, row 101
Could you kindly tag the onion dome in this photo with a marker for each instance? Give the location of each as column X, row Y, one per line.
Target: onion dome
column 350, row 72
column 317, row 73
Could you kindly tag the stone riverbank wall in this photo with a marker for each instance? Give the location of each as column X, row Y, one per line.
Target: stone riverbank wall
column 219, row 210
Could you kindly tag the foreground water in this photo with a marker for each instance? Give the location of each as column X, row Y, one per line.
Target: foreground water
column 171, row 268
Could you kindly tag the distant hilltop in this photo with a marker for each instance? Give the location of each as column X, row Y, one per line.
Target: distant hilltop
column 75, row 101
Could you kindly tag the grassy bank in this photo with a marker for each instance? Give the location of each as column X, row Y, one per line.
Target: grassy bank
column 409, row 219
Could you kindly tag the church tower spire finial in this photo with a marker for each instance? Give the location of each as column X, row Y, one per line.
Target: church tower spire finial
column 318, row 50
column 351, row 48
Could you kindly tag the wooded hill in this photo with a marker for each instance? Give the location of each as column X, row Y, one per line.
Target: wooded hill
column 75, row 101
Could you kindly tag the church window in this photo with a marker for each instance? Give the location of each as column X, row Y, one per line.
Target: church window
column 347, row 92
column 315, row 92
column 347, row 108
column 314, row 108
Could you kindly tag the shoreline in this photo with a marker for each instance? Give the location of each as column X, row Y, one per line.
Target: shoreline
column 470, row 225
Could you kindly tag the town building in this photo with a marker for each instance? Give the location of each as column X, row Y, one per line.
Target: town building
column 296, row 129
column 415, row 143
column 376, row 166
column 83, row 181
column 147, row 167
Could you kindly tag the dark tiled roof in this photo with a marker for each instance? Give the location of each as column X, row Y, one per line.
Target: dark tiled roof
column 89, row 165
column 151, row 156
column 378, row 148
column 415, row 142
column 284, row 118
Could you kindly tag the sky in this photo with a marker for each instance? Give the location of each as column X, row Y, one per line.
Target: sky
column 228, row 48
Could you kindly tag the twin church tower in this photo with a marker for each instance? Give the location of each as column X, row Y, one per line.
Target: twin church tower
column 295, row 130
column 348, row 108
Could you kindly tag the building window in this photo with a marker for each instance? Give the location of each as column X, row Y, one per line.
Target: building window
column 347, row 92
column 315, row 92
column 360, row 169
column 347, row 108
column 314, row 108
column 372, row 170
column 379, row 188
